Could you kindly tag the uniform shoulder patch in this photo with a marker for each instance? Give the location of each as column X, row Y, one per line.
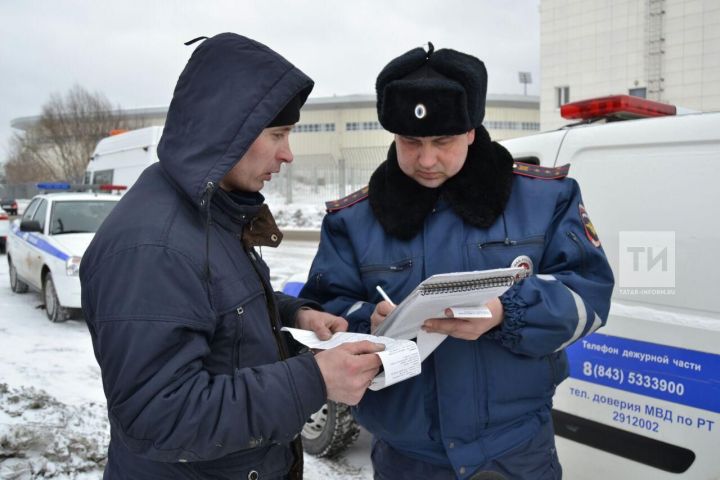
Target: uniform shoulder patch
column 352, row 199
column 536, row 171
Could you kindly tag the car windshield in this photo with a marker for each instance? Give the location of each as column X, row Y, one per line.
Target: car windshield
column 79, row 216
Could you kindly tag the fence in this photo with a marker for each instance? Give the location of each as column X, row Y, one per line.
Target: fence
column 18, row 190
column 314, row 179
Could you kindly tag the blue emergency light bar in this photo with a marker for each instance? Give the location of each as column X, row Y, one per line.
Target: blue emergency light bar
column 53, row 186
column 64, row 186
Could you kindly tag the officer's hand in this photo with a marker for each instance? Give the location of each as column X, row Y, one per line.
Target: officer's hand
column 467, row 328
column 348, row 370
column 322, row 323
column 381, row 311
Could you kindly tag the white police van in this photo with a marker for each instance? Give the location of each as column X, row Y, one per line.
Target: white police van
column 643, row 397
column 46, row 244
column 121, row 158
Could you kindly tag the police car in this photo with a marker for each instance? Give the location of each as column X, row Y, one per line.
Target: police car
column 46, row 244
column 4, row 229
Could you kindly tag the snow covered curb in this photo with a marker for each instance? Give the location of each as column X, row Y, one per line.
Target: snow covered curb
column 43, row 437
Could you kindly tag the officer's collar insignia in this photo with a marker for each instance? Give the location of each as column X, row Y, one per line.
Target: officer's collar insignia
column 536, row 171
column 589, row 227
column 347, row 201
column 525, row 262
column 420, row 111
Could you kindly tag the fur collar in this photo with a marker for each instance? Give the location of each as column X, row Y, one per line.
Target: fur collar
column 478, row 193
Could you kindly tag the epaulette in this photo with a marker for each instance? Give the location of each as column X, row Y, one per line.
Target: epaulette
column 352, row 199
column 536, row 171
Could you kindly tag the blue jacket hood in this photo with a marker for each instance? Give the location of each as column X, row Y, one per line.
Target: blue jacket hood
column 230, row 90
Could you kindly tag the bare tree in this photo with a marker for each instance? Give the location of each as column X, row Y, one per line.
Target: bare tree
column 59, row 145
column 22, row 166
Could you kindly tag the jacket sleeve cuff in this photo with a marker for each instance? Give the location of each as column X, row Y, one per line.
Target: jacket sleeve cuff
column 308, row 382
column 288, row 307
column 514, row 307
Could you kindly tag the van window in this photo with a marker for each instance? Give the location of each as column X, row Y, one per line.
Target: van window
column 103, row 177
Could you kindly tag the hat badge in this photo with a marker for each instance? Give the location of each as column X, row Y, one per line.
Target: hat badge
column 420, row 111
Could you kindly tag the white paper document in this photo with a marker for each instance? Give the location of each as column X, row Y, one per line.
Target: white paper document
column 400, row 359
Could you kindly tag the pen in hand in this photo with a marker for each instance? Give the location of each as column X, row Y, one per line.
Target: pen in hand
column 384, row 295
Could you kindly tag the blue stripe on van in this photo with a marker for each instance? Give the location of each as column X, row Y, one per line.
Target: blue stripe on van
column 678, row 375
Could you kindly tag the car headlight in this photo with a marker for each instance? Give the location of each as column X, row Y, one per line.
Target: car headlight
column 72, row 266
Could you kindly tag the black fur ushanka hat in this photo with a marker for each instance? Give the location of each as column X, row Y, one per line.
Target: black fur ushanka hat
column 422, row 94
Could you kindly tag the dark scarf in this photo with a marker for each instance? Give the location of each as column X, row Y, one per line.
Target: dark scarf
column 478, row 192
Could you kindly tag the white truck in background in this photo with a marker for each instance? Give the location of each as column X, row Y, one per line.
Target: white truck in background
column 643, row 397
column 120, row 159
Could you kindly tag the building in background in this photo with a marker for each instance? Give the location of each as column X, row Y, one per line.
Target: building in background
column 665, row 50
column 339, row 142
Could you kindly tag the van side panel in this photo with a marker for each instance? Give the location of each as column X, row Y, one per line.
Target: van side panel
column 654, row 370
column 654, row 176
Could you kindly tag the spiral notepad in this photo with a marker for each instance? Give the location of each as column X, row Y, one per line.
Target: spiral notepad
column 447, row 290
column 465, row 285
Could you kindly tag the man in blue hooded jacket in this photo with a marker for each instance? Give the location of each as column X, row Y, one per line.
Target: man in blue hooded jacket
column 448, row 199
column 184, row 323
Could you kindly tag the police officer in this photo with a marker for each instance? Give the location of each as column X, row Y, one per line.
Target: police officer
column 448, row 199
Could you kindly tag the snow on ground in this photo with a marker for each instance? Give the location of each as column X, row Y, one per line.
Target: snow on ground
column 53, row 421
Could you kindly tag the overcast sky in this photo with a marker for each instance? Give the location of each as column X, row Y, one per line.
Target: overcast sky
column 132, row 50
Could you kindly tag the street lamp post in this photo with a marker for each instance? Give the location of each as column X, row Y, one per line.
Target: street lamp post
column 525, row 78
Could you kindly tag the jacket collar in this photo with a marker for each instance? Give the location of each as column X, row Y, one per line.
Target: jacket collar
column 478, row 193
column 245, row 214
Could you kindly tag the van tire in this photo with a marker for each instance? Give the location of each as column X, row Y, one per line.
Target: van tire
column 330, row 430
column 16, row 285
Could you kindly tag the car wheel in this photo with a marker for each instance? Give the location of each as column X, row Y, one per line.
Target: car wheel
column 16, row 285
column 54, row 311
column 330, row 430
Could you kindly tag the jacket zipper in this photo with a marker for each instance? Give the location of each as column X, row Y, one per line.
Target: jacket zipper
column 396, row 267
column 512, row 243
column 271, row 308
column 239, row 328
column 239, row 312
column 577, row 243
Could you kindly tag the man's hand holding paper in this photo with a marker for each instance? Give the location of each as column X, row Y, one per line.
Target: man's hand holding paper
column 322, row 323
column 400, row 359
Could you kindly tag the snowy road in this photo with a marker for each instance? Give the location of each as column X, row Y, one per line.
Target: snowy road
column 63, row 433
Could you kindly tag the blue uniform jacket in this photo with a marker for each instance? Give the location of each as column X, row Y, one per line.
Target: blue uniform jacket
column 183, row 321
column 474, row 400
